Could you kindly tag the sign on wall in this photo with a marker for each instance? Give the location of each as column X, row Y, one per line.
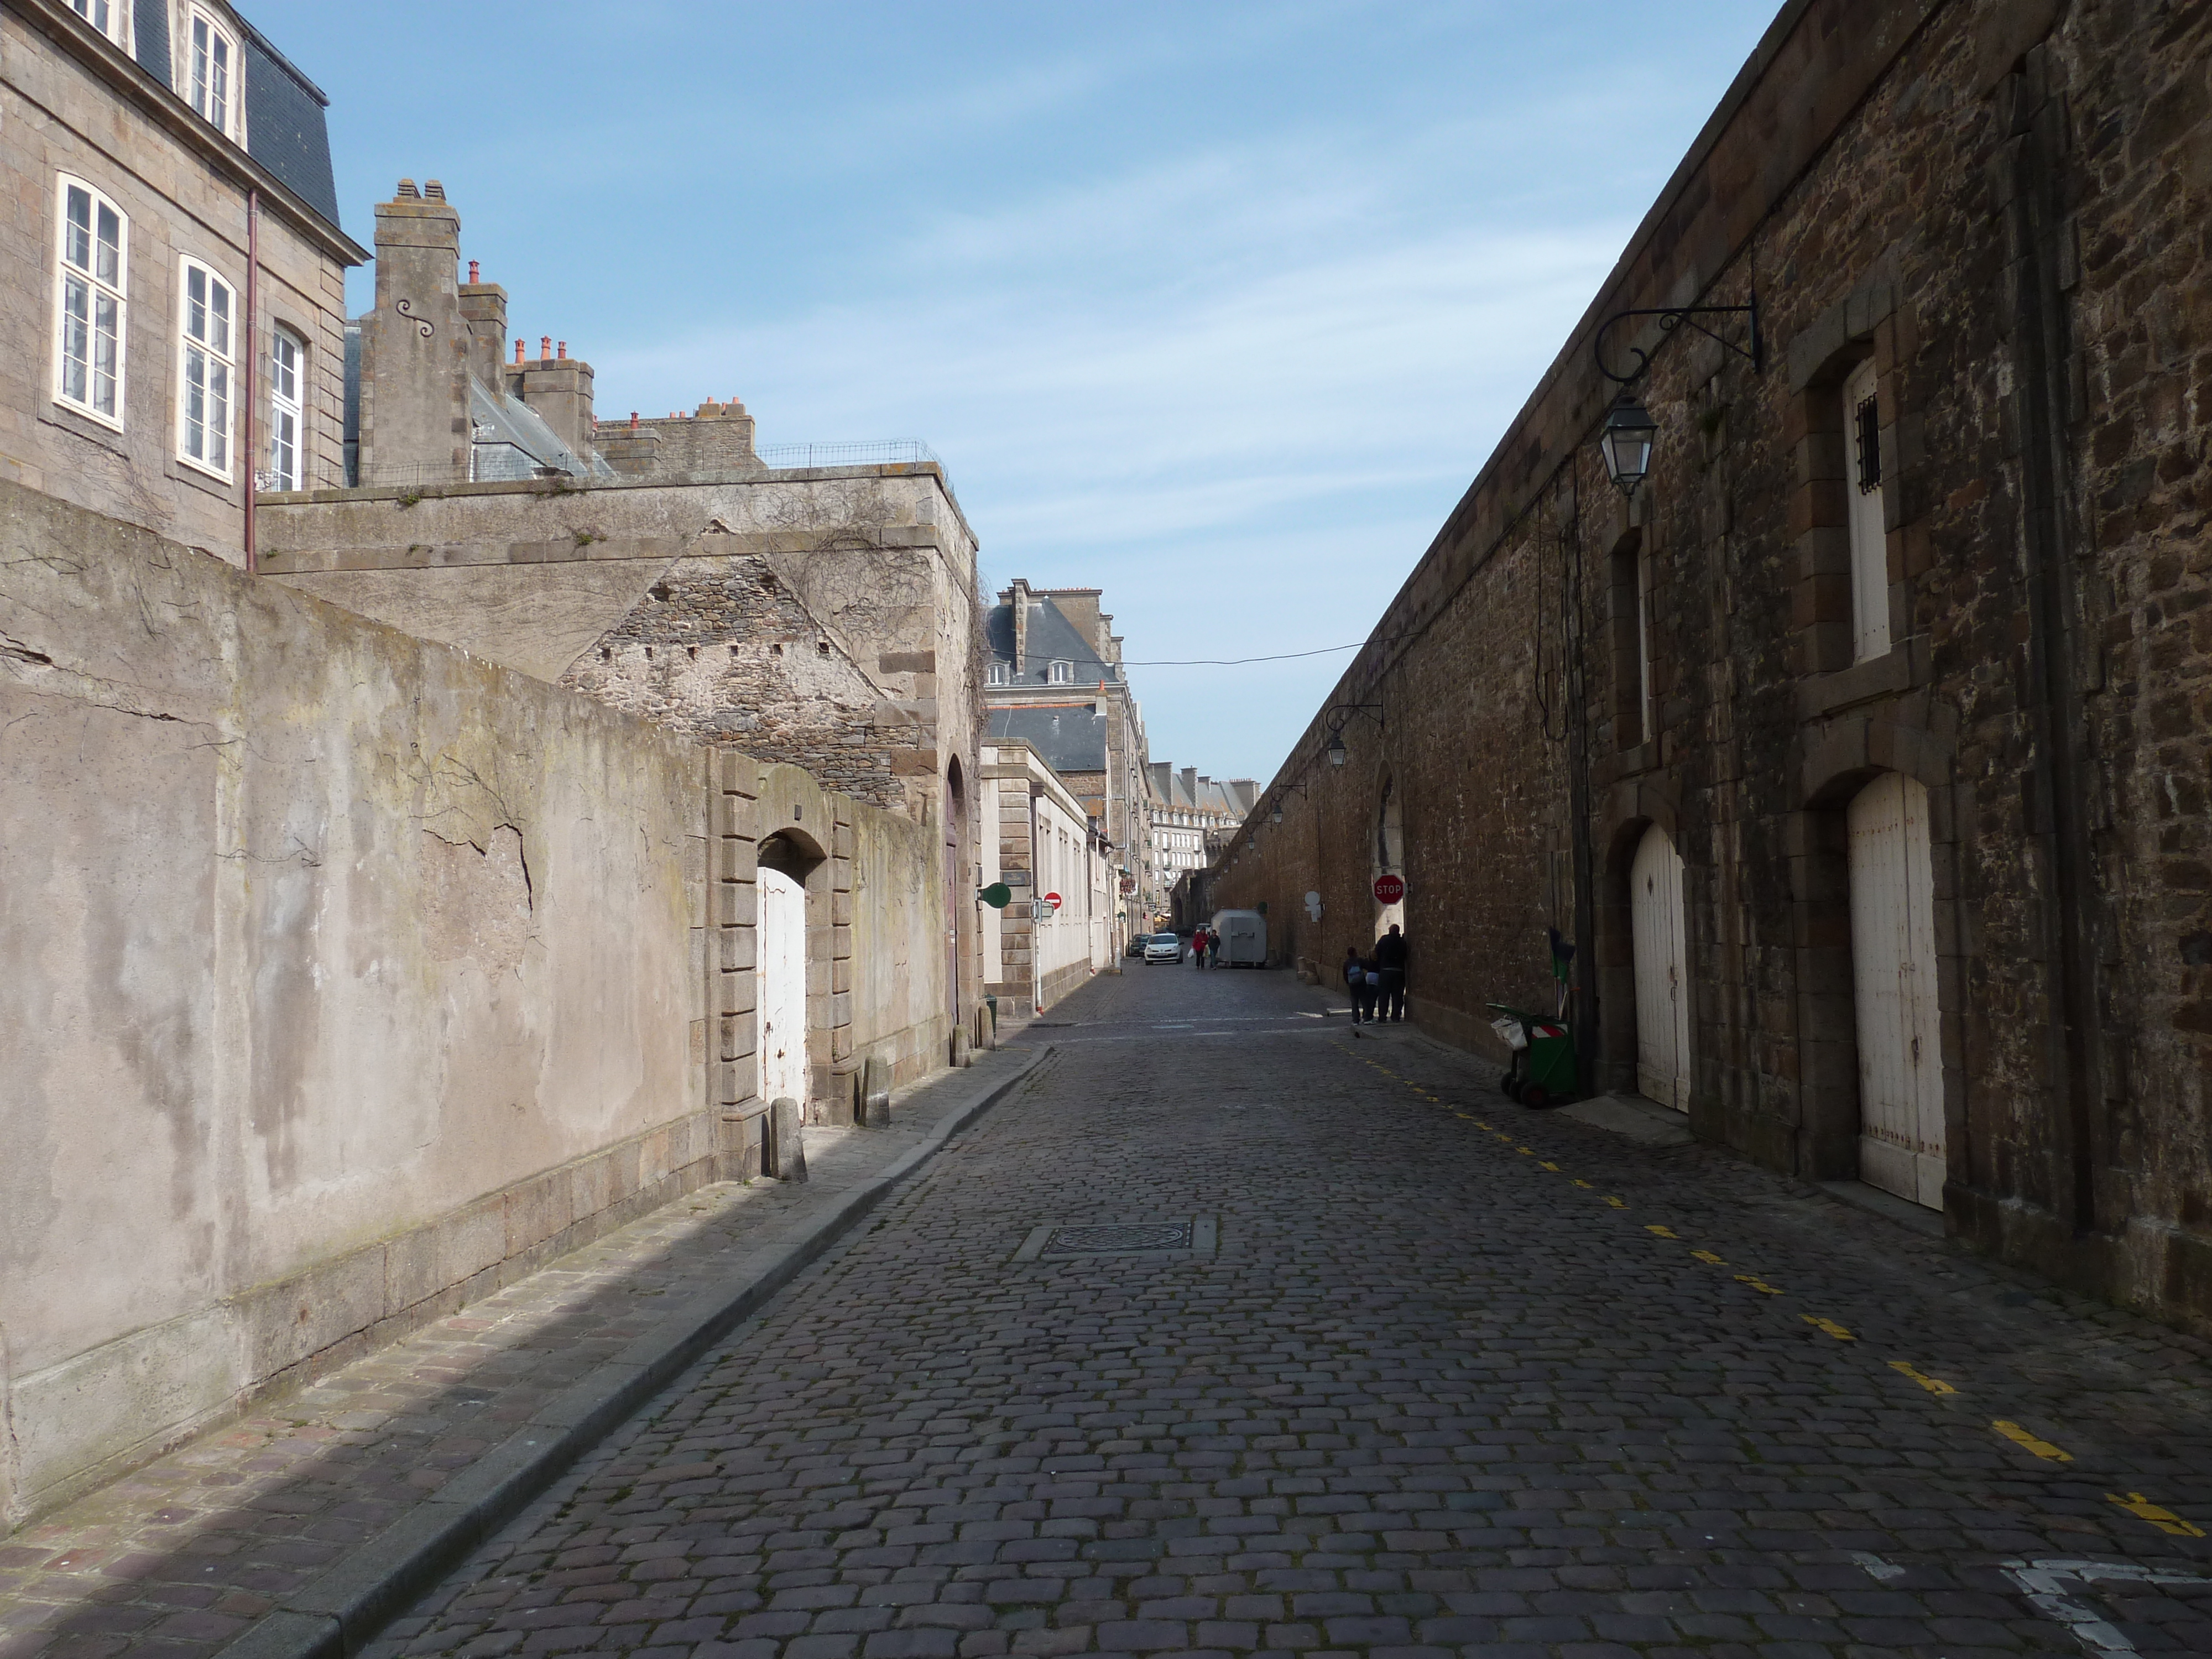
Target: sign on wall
column 1390, row 890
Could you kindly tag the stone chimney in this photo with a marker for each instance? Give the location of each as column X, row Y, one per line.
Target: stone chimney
column 484, row 314
column 414, row 346
column 1190, row 783
column 1018, row 605
column 559, row 388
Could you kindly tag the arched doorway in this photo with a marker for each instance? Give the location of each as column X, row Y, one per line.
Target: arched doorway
column 1658, row 940
column 779, row 966
column 955, row 818
column 1389, row 853
column 1893, row 989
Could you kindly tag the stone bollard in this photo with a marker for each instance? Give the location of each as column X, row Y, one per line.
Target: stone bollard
column 784, row 1152
column 875, row 1093
column 960, row 1054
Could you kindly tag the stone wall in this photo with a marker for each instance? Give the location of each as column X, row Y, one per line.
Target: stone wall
column 825, row 617
column 350, row 977
column 2000, row 206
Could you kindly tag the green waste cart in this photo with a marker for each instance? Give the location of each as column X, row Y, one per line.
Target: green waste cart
column 1542, row 1072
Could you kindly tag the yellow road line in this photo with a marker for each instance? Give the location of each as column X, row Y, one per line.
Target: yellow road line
column 1831, row 1327
column 1707, row 1255
column 2164, row 1519
column 1585, row 1185
column 1933, row 1384
column 1757, row 1284
column 1547, row 1164
column 1663, row 1232
column 2026, row 1441
column 1616, row 1203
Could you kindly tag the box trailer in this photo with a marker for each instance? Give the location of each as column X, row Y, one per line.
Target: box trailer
column 1243, row 936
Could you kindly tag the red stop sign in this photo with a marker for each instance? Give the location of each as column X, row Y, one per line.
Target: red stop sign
column 1389, row 890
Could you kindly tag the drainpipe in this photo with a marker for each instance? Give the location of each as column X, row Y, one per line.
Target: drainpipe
column 252, row 361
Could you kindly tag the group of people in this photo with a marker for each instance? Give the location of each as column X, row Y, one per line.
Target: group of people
column 1204, row 943
column 1377, row 980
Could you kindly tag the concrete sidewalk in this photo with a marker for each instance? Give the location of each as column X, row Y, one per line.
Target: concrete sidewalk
column 303, row 1526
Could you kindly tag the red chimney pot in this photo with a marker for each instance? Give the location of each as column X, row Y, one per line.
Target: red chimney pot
column 475, row 272
column 544, row 347
column 518, row 348
column 564, row 350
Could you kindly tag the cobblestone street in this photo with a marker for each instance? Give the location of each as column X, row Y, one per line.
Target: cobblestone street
column 1387, row 1365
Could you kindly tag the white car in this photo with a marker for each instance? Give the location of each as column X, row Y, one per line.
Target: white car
column 1163, row 947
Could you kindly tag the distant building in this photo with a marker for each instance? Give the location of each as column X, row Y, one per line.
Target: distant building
column 1194, row 818
column 1060, row 927
column 1053, row 679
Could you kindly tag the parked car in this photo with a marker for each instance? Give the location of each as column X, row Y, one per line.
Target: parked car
column 1163, row 947
column 1136, row 943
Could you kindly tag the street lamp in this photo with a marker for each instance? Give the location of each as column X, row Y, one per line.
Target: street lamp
column 1336, row 749
column 1624, row 441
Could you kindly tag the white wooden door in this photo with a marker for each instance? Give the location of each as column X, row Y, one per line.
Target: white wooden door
column 1893, row 986
column 1663, row 979
column 782, row 986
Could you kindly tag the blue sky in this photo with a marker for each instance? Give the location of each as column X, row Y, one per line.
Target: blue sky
column 1216, row 307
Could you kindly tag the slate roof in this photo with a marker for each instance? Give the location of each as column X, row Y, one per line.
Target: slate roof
column 285, row 128
column 1068, row 738
column 511, row 439
column 1052, row 638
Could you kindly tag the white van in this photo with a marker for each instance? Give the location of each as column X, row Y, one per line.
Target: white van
column 1243, row 936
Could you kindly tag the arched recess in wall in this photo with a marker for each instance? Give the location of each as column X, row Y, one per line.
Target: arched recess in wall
column 959, row 916
column 1882, row 1093
column 1631, row 813
column 1390, row 851
column 791, row 868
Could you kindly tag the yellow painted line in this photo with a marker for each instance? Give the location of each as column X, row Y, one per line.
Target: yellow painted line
column 2165, row 1520
column 1933, row 1384
column 2026, row 1441
column 1616, row 1203
column 1475, row 1120
column 1663, row 1232
column 1757, row 1284
column 1524, row 1152
column 1831, row 1327
column 1585, row 1185
column 1707, row 1255
column 1547, row 1164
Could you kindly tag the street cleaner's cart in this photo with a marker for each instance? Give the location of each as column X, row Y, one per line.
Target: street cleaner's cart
column 1542, row 1070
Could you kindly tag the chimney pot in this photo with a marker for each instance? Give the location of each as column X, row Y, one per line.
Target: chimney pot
column 518, row 348
column 562, row 351
column 633, row 420
column 544, row 347
column 407, row 192
column 476, row 272
column 435, row 191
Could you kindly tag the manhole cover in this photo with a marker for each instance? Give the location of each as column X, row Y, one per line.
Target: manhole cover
column 1192, row 1237
column 1096, row 1241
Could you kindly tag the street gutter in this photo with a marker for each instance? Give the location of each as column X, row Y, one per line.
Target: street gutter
column 337, row 1614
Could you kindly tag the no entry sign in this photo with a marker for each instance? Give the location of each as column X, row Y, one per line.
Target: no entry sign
column 1389, row 890
column 1052, row 899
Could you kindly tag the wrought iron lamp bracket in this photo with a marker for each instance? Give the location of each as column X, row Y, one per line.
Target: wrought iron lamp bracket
column 1672, row 317
column 1340, row 714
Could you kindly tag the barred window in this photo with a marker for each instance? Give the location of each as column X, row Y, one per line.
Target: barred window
column 205, row 341
column 90, row 302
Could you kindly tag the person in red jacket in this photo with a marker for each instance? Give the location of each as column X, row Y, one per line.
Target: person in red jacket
column 1197, row 942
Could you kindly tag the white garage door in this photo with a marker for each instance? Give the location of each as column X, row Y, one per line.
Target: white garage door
column 1662, row 980
column 1893, row 984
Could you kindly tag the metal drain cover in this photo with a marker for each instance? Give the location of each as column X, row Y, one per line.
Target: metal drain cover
column 1192, row 1237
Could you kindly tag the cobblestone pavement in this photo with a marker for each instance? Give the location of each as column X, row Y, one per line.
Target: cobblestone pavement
column 1433, row 1374
column 182, row 1555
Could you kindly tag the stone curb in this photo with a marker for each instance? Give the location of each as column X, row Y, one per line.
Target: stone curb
column 336, row 1614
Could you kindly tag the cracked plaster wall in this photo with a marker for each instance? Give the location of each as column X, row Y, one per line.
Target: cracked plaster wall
column 345, row 974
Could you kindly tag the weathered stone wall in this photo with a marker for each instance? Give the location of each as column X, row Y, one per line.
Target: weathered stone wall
column 346, row 978
column 2002, row 206
column 825, row 617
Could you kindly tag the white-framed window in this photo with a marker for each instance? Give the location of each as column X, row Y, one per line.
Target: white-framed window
column 205, row 333
column 111, row 17
column 92, row 266
column 288, row 362
column 1862, row 509
column 995, row 674
column 1062, row 672
column 213, row 77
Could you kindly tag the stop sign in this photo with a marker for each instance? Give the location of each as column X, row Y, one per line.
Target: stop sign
column 1389, row 890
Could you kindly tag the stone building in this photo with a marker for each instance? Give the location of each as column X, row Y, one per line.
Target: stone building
column 1194, row 818
column 173, row 263
column 1059, row 928
column 1054, row 680
column 1864, row 753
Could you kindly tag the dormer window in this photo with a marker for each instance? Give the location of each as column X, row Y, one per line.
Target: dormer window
column 111, row 17
column 211, row 74
column 1062, row 672
column 995, row 674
